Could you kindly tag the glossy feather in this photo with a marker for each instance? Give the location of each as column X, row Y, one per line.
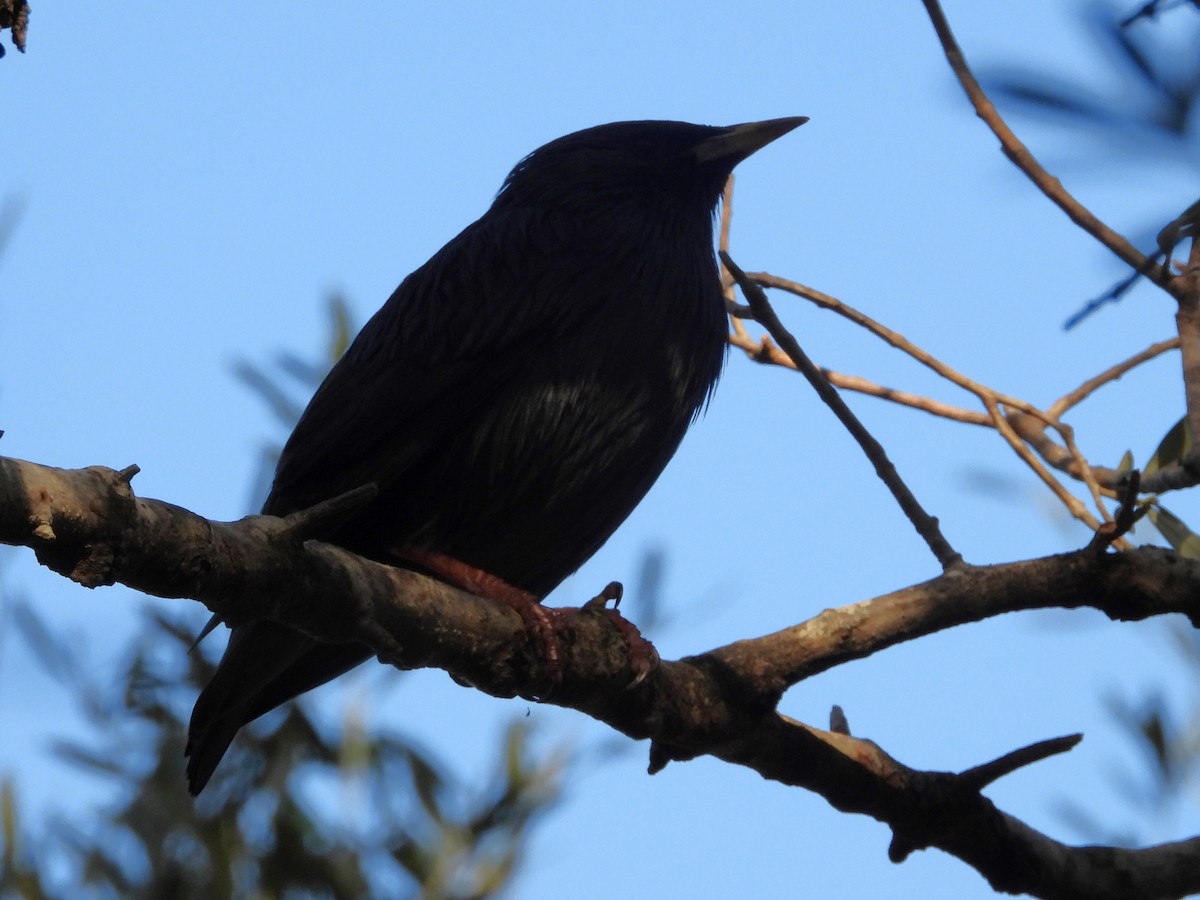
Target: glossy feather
column 518, row 394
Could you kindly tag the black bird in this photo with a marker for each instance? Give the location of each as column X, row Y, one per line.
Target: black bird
column 516, row 396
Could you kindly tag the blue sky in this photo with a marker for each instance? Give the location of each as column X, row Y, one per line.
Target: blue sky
column 193, row 187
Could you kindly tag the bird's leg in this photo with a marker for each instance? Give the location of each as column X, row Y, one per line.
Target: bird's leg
column 544, row 623
column 467, row 577
column 539, row 621
column 643, row 657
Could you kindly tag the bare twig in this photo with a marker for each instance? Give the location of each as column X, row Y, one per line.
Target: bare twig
column 1109, row 375
column 1069, row 500
column 767, row 352
column 1019, row 154
column 735, row 324
column 925, row 524
column 999, row 406
column 894, row 338
column 1128, row 513
column 1033, row 432
column 1061, row 457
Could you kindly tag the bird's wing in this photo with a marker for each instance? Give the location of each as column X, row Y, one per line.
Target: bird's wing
column 439, row 348
column 443, row 343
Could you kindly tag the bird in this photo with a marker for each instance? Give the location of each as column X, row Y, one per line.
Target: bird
column 515, row 397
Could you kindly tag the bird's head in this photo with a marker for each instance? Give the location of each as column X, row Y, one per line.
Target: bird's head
column 633, row 161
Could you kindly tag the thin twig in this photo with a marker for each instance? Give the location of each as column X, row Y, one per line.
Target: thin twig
column 1020, row 156
column 1033, row 432
column 1069, row 500
column 735, row 323
column 767, row 352
column 894, row 338
column 1128, row 514
column 992, row 400
column 1109, row 375
column 1086, row 475
column 925, row 524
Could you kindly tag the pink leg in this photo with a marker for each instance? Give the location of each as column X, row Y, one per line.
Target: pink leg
column 536, row 617
column 545, row 624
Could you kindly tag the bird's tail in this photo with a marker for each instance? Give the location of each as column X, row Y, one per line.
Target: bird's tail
column 265, row 664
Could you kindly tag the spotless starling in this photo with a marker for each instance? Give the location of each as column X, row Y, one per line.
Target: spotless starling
column 516, row 396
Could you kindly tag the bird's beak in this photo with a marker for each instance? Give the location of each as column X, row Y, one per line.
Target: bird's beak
column 737, row 142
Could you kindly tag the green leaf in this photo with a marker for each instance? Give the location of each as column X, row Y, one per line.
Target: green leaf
column 1177, row 534
column 416, row 860
column 93, row 760
column 8, row 818
column 1126, row 463
column 428, row 783
column 1182, row 228
column 1175, row 444
column 341, row 327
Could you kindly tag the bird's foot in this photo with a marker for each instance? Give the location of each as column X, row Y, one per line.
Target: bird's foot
column 545, row 625
column 643, row 657
column 550, row 623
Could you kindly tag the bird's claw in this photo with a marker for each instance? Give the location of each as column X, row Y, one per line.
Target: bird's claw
column 643, row 658
column 613, row 591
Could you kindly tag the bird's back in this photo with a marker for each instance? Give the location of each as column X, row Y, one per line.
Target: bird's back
column 523, row 396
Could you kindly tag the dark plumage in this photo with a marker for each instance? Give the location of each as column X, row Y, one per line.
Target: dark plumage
column 518, row 394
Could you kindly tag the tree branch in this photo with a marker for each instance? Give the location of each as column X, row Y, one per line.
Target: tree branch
column 1185, row 288
column 88, row 525
column 1020, row 156
column 926, row 525
column 14, row 15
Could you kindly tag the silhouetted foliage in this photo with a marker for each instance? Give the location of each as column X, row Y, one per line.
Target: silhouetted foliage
column 266, row 828
column 1154, row 108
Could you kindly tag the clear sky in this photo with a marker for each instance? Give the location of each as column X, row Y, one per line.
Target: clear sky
column 195, row 180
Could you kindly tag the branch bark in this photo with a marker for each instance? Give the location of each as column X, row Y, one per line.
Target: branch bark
column 88, row 525
column 14, row 15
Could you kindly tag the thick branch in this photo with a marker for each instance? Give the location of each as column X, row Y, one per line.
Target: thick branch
column 88, row 525
column 1128, row 586
column 14, row 15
